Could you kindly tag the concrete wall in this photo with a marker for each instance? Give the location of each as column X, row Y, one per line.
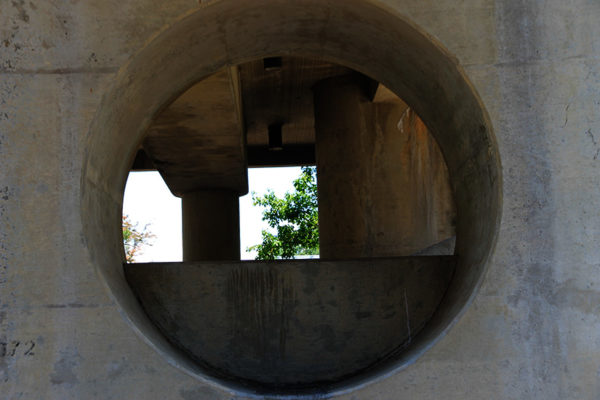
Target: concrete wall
column 291, row 326
column 532, row 331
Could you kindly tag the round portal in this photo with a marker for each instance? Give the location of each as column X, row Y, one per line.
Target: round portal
column 356, row 34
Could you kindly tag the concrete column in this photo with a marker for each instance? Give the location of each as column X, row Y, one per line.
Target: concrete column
column 211, row 225
column 382, row 182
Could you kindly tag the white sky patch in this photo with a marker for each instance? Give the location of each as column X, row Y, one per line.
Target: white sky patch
column 147, row 200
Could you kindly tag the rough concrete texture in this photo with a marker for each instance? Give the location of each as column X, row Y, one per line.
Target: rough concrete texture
column 193, row 152
column 260, row 324
column 383, row 183
column 533, row 328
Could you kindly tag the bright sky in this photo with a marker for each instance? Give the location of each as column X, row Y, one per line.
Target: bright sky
column 147, row 200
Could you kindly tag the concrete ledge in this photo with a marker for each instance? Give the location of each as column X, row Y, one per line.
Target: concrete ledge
column 291, row 325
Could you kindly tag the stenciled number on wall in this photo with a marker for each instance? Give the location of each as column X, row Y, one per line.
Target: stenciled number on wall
column 17, row 348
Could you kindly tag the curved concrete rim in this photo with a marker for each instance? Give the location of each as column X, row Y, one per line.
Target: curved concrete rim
column 360, row 34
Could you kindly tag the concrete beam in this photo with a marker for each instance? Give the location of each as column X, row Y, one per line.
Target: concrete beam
column 198, row 141
column 292, row 155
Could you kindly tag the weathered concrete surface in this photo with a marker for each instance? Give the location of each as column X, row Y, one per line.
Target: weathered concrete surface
column 198, row 141
column 282, row 95
column 288, row 325
column 533, row 328
column 383, row 184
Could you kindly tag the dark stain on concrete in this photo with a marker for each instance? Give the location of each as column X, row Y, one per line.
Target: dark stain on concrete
column 71, row 305
column 530, row 200
column 20, row 6
column 586, row 301
column 63, row 369
column 262, row 301
column 4, row 370
column 555, row 294
column 594, row 142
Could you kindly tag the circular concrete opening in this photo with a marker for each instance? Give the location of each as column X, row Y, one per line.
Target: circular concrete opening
column 354, row 33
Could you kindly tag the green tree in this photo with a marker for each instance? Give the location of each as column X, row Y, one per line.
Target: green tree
column 133, row 239
column 294, row 218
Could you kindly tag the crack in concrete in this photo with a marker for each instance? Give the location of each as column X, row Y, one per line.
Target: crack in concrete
column 594, row 142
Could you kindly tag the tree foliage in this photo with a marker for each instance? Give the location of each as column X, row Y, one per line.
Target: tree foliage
column 294, row 219
column 134, row 239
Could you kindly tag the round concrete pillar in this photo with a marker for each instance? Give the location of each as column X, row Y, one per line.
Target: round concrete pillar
column 382, row 182
column 211, row 225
